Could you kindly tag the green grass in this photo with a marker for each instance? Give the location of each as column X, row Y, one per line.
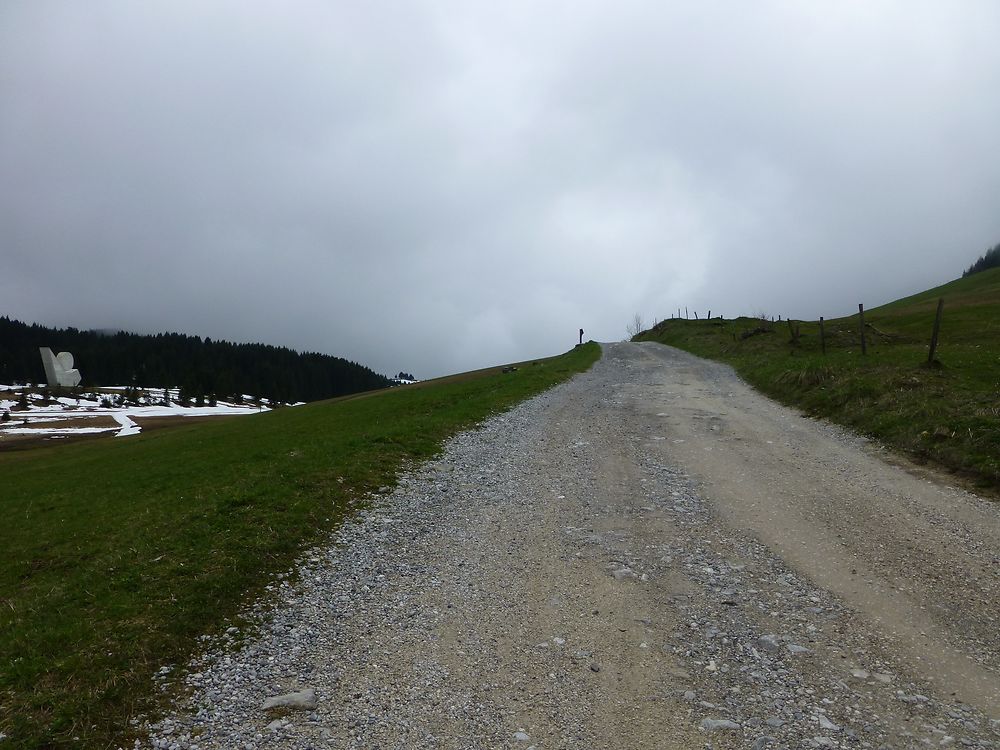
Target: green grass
column 115, row 555
column 948, row 414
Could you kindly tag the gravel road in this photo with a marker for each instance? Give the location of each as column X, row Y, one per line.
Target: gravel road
column 649, row 556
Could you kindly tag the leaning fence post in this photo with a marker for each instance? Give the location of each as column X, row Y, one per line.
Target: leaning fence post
column 934, row 335
column 861, row 312
column 822, row 336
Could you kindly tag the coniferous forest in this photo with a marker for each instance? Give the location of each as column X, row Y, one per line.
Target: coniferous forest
column 199, row 367
column 989, row 259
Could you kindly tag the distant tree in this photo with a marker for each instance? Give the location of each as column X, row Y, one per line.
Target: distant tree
column 199, row 400
column 990, row 259
column 635, row 326
column 22, row 400
column 212, row 400
column 5, row 417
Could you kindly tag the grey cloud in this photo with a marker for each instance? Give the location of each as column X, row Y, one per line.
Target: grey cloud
column 439, row 186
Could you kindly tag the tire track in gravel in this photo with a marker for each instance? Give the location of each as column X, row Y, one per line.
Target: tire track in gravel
column 584, row 572
column 918, row 559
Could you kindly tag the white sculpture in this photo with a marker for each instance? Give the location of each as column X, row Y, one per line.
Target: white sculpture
column 59, row 368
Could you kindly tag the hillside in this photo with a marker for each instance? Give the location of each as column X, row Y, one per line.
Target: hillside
column 125, row 552
column 948, row 413
column 198, row 367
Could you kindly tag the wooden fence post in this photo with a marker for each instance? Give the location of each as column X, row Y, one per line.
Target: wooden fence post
column 793, row 331
column 864, row 346
column 822, row 336
column 709, row 314
column 937, row 328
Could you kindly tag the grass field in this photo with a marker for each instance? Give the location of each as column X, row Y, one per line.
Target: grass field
column 947, row 414
column 115, row 555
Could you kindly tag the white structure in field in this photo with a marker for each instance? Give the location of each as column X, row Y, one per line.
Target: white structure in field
column 59, row 368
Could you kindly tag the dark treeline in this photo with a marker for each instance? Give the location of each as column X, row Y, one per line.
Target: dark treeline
column 200, row 367
column 990, row 259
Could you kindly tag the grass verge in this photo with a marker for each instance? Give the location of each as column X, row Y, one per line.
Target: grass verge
column 116, row 555
column 947, row 413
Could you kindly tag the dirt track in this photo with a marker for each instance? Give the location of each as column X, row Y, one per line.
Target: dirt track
column 651, row 556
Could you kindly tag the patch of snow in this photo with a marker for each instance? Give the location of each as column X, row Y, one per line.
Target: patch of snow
column 128, row 426
column 56, row 430
column 87, row 406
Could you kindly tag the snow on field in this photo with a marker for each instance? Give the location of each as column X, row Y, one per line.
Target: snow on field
column 128, row 426
column 82, row 414
column 54, row 431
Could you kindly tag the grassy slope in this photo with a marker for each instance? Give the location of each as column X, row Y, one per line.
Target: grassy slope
column 115, row 555
column 949, row 415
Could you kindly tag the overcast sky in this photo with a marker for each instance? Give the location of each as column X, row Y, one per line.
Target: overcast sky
column 436, row 186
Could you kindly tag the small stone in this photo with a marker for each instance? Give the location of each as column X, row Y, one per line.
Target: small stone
column 302, row 699
column 714, row 725
column 883, row 677
column 521, row 736
column 622, row 573
column 796, row 649
column 775, row 722
column 761, row 742
column 690, row 695
column 595, row 667
column 860, row 674
column 771, row 642
column 827, row 725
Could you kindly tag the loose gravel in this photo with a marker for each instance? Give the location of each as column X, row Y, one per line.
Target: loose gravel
column 567, row 575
